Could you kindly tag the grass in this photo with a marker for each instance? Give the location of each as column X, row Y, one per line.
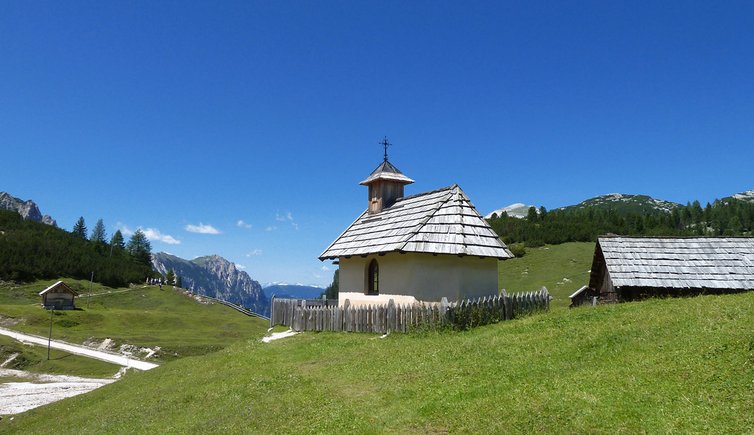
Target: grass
column 34, row 359
column 664, row 365
column 563, row 269
column 142, row 316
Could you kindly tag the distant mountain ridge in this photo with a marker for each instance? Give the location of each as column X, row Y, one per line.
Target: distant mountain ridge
column 517, row 210
column 295, row 291
column 626, row 203
column 27, row 209
column 619, row 202
column 747, row 196
column 216, row 277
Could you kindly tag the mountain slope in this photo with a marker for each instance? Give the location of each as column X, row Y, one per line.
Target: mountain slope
column 27, row 209
column 517, row 210
column 131, row 319
column 293, row 291
column 747, row 196
column 217, row 277
column 625, row 203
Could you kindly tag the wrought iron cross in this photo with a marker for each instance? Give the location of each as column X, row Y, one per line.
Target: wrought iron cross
column 385, row 144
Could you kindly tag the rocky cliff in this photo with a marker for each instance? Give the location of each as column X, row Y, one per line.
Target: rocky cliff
column 27, row 209
column 217, row 277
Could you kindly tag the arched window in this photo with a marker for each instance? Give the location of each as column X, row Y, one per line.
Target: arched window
column 373, row 278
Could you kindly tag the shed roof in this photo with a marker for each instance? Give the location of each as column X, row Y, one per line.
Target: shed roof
column 62, row 286
column 386, row 171
column 443, row 221
column 665, row 262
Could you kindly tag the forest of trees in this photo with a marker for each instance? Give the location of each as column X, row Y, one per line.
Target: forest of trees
column 331, row 292
column 31, row 250
column 722, row 218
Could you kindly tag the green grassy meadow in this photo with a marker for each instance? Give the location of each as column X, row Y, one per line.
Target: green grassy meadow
column 662, row 365
column 143, row 316
column 34, row 359
column 563, row 269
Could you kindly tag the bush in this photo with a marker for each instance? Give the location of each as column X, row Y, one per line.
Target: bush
column 534, row 243
column 517, row 249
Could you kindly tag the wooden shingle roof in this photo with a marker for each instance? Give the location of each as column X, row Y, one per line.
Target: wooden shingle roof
column 698, row 263
column 59, row 286
column 439, row 222
column 386, row 171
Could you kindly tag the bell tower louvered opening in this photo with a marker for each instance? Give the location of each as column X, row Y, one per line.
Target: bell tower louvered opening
column 385, row 186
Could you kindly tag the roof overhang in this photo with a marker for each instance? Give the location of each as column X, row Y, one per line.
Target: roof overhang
column 59, row 284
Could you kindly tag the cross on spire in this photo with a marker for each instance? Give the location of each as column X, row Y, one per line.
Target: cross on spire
column 385, row 144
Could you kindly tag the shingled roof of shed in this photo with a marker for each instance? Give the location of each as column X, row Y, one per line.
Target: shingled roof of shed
column 443, row 221
column 59, row 285
column 699, row 262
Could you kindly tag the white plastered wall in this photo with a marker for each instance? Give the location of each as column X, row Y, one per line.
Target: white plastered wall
column 411, row 277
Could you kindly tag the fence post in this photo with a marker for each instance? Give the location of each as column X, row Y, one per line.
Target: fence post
column 347, row 315
column 443, row 310
column 272, row 311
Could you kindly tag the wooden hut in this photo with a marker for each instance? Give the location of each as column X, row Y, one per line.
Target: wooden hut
column 583, row 296
column 58, row 297
column 416, row 248
column 629, row 268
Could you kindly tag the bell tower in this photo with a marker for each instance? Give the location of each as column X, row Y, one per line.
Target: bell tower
column 385, row 184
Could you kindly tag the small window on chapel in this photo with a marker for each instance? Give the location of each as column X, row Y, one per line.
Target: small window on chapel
column 373, row 278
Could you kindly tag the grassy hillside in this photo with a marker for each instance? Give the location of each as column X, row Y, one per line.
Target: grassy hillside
column 562, row 268
column 34, row 359
column 672, row 365
column 142, row 316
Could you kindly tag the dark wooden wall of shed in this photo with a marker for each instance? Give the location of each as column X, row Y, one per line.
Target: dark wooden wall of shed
column 599, row 278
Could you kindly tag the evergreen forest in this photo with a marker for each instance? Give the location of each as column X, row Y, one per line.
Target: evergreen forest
column 31, row 250
column 728, row 217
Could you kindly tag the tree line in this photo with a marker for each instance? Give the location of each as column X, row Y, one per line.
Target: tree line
column 31, row 250
column 729, row 217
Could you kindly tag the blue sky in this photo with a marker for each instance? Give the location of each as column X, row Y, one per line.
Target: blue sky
column 180, row 117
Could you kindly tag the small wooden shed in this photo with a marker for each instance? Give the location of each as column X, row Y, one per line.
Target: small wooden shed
column 629, row 268
column 583, row 296
column 58, row 297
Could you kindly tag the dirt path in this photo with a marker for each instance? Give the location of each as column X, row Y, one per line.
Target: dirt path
column 16, row 397
column 80, row 350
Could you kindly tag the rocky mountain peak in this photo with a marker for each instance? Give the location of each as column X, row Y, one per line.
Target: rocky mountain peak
column 215, row 276
column 745, row 196
column 517, row 210
column 27, row 209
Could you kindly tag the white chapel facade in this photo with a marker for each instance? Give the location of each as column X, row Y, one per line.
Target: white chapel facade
column 415, row 248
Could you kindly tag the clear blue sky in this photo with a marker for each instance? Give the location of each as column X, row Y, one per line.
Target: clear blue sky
column 165, row 115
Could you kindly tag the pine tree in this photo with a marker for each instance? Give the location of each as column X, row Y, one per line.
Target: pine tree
column 79, row 228
column 532, row 215
column 170, row 278
column 331, row 292
column 178, row 281
column 140, row 248
column 117, row 240
column 98, row 233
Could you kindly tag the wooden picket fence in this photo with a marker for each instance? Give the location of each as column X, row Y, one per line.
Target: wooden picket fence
column 303, row 315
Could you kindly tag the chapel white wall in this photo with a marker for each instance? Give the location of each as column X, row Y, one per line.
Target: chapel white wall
column 418, row 277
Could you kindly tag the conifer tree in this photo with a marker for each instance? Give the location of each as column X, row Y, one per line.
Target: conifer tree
column 170, row 277
column 98, row 233
column 79, row 228
column 117, row 240
column 140, row 248
column 331, row 292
